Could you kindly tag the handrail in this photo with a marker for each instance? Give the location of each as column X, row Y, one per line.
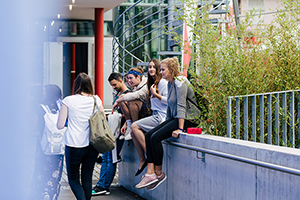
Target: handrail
column 125, row 12
column 236, row 158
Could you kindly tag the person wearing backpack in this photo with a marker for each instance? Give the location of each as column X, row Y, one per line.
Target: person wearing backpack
column 180, row 115
column 80, row 155
column 48, row 166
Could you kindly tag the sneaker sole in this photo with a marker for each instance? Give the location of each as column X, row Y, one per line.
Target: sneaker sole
column 158, row 183
column 98, row 193
column 143, row 186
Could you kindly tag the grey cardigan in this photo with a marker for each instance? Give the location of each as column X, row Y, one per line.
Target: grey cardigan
column 178, row 106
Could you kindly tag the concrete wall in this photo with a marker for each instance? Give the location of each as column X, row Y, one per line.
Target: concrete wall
column 217, row 178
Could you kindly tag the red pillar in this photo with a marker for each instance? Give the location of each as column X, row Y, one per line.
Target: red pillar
column 99, row 64
column 73, row 69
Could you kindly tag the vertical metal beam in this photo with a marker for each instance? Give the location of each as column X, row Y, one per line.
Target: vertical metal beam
column 261, row 117
column 269, row 118
column 292, row 118
column 159, row 28
column 73, row 67
column 229, row 117
column 237, row 103
column 236, row 12
column 246, row 118
column 254, row 118
column 276, row 119
column 298, row 106
column 123, row 44
column 284, row 119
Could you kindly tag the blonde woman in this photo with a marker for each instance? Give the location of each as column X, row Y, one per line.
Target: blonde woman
column 180, row 114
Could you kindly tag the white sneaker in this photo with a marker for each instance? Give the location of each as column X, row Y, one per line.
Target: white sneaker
column 122, row 137
column 127, row 134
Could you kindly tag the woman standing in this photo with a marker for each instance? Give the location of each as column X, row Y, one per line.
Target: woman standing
column 158, row 92
column 78, row 108
column 131, row 103
column 180, row 114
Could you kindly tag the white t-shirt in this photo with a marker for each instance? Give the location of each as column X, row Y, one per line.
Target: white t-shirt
column 80, row 109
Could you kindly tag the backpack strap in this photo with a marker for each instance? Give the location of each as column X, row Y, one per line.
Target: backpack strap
column 46, row 108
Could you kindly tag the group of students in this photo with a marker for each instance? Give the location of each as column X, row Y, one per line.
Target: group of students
column 165, row 90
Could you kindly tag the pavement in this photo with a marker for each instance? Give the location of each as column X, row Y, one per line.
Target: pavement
column 116, row 191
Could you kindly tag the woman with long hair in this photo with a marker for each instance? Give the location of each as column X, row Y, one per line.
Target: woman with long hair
column 180, row 115
column 158, row 92
column 78, row 108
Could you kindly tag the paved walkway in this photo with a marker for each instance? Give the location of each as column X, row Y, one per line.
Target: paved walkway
column 116, row 192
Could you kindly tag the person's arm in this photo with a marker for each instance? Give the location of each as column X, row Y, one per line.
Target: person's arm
column 142, row 93
column 154, row 93
column 176, row 133
column 181, row 95
column 62, row 117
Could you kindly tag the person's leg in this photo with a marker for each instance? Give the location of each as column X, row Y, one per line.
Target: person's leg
column 125, row 110
column 73, row 160
column 134, row 108
column 55, row 173
column 101, row 180
column 110, row 171
column 138, row 139
column 148, row 135
column 87, row 169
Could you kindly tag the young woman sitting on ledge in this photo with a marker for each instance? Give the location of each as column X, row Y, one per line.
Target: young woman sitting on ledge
column 180, row 114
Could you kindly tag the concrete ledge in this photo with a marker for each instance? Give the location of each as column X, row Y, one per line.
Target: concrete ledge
column 216, row 178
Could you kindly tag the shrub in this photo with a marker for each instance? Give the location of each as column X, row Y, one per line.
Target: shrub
column 232, row 63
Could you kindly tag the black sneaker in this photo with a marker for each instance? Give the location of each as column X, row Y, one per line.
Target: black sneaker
column 107, row 191
column 98, row 190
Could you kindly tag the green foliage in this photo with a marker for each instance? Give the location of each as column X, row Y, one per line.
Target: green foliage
column 230, row 63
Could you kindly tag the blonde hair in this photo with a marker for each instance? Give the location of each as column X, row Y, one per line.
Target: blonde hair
column 173, row 65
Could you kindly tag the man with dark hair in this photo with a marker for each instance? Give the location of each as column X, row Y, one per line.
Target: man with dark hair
column 108, row 168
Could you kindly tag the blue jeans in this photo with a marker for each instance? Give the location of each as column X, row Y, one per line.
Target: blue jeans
column 108, row 170
column 86, row 157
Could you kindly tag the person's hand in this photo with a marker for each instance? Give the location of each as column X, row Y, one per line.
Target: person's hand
column 153, row 90
column 116, row 105
column 123, row 129
column 175, row 134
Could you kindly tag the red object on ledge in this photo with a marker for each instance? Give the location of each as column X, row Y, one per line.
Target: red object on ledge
column 194, row 130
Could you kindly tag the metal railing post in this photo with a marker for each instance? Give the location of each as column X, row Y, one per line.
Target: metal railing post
column 229, row 117
column 284, row 118
column 254, row 118
column 292, row 118
column 269, row 110
column 237, row 103
column 246, row 118
column 276, row 119
column 261, row 117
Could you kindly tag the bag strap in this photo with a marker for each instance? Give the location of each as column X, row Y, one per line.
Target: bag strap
column 46, row 108
column 197, row 106
column 95, row 104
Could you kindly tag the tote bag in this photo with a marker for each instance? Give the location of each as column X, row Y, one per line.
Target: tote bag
column 101, row 137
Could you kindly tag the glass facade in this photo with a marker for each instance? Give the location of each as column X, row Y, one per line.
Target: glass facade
column 145, row 25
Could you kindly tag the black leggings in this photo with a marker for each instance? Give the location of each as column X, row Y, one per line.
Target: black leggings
column 156, row 135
